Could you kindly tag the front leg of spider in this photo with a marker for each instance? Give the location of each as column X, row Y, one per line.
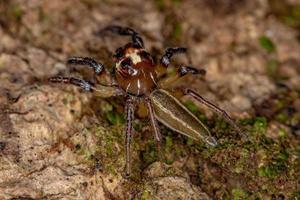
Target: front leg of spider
column 74, row 81
column 136, row 38
column 129, row 110
column 90, row 62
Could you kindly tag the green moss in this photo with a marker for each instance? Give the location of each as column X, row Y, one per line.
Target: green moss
column 293, row 17
column 169, row 142
column 282, row 117
column 169, row 150
column 109, row 147
column 241, row 163
column 111, row 169
column 177, row 2
column 267, row 44
column 221, row 125
column 191, row 106
column 272, row 68
column 87, row 154
column 295, row 195
column 15, row 12
column 177, row 31
column 276, row 165
column 279, row 104
column 282, row 133
column 115, row 118
column 260, row 125
column 269, row 171
column 148, row 154
column 190, row 142
column 239, row 167
column 145, row 195
column 138, row 125
column 238, row 194
column 160, row 4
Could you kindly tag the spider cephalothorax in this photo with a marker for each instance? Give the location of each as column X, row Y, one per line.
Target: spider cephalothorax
column 136, row 78
column 135, row 70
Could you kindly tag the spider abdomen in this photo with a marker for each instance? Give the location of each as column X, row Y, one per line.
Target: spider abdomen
column 169, row 111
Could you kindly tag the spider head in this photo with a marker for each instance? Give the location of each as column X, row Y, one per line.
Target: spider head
column 135, row 69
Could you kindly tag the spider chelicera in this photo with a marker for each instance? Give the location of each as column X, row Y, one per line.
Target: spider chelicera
column 137, row 77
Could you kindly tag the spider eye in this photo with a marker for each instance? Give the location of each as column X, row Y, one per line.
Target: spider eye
column 119, row 53
column 144, row 54
column 126, row 67
column 126, row 63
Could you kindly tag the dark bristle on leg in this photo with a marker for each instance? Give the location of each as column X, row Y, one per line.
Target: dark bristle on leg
column 129, row 109
column 216, row 109
column 97, row 67
column 165, row 59
column 72, row 80
column 136, row 38
column 183, row 70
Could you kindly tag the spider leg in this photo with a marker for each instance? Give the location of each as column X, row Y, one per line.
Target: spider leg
column 214, row 108
column 136, row 38
column 129, row 109
column 74, row 81
column 99, row 90
column 182, row 71
column 97, row 67
column 157, row 134
column 169, row 52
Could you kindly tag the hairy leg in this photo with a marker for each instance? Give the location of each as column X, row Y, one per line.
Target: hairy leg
column 99, row 90
column 97, row 67
column 214, row 108
column 129, row 109
column 136, row 38
column 154, row 124
column 182, row 71
column 74, row 81
column 169, row 52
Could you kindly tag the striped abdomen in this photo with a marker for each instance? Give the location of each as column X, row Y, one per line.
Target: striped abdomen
column 172, row 113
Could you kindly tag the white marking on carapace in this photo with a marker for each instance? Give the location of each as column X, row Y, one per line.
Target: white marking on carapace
column 127, row 88
column 135, row 57
column 138, row 86
column 135, row 72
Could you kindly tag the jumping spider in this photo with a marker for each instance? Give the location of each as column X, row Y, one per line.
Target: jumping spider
column 136, row 77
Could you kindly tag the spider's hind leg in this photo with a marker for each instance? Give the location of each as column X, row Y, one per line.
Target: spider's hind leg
column 215, row 109
column 154, row 124
column 136, row 38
